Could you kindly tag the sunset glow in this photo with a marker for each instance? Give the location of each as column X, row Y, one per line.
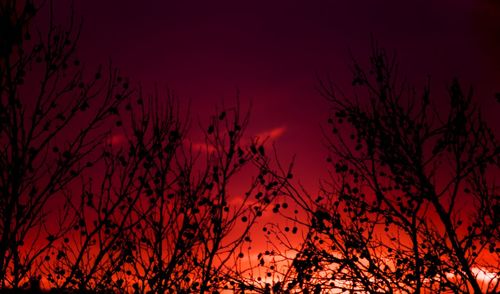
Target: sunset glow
column 249, row 147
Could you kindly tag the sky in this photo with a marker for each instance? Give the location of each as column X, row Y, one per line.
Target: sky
column 273, row 52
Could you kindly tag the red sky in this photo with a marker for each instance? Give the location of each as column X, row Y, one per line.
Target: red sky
column 272, row 51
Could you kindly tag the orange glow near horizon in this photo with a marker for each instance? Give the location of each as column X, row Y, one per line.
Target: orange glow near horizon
column 267, row 191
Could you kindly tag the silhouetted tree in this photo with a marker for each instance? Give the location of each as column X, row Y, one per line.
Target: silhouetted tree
column 162, row 217
column 412, row 205
column 101, row 189
column 194, row 233
column 51, row 121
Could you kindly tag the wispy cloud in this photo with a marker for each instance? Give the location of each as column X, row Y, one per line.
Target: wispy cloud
column 116, row 140
column 203, row 147
column 272, row 134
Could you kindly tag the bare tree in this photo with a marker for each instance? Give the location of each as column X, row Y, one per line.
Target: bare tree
column 162, row 216
column 412, row 203
column 94, row 256
column 80, row 210
column 52, row 119
column 194, row 228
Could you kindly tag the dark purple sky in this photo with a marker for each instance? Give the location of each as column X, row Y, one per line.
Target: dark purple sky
column 271, row 51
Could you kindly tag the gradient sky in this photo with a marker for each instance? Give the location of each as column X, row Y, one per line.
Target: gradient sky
column 272, row 52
